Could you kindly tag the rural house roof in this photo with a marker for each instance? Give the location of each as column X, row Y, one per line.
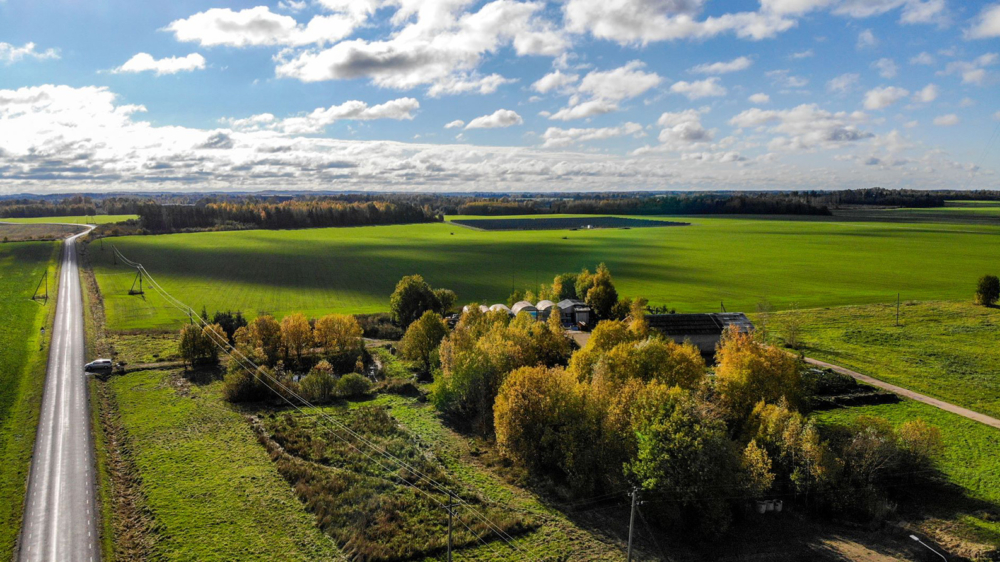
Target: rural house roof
column 545, row 305
column 698, row 324
column 499, row 306
column 572, row 303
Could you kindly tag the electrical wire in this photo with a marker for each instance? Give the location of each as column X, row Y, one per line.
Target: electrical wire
column 254, row 369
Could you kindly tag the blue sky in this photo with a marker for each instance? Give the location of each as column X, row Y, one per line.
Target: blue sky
column 503, row 95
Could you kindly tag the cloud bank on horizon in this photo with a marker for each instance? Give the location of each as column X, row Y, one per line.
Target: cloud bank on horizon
column 500, row 95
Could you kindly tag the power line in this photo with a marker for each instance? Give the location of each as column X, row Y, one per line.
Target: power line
column 254, row 369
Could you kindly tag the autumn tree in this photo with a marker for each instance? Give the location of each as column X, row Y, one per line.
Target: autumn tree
column 320, row 384
column 478, row 354
column 260, row 339
column 601, row 296
column 749, row 371
column 652, row 359
column 988, row 290
column 563, row 287
column 340, row 336
column 541, row 419
column 422, row 338
column 296, row 334
column 194, row 345
column 802, row 462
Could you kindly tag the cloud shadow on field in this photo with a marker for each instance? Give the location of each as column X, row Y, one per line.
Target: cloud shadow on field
column 369, row 267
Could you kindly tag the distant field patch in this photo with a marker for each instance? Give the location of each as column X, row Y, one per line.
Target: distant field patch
column 17, row 232
column 77, row 219
column 563, row 223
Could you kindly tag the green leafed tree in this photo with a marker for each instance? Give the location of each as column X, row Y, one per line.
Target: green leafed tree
column 988, row 290
column 422, row 338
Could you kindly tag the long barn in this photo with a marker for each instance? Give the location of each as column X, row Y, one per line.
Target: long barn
column 703, row 330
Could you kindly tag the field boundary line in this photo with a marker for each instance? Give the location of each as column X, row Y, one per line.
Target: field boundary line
column 907, row 393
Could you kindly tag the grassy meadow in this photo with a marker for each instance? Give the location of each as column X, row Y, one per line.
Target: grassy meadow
column 76, row 219
column 212, row 491
column 22, row 371
column 947, row 350
column 738, row 262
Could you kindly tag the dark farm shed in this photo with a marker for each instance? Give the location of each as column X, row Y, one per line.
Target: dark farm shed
column 703, row 330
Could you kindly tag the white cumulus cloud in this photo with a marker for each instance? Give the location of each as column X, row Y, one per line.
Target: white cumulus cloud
column 320, row 118
column 12, row 53
column 760, row 99
column 927, row 94
column 260, row 26
column 735, row 65
column 555, row 80
column 457, row 123
column 556, row 137
column 699, row 89
column 946, row 120
column 883, row 97
column 987, row 23
column 144, row 62
column 499, row 119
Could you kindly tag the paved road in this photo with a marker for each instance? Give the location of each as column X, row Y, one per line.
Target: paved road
column 60, row 516
column 965, row 413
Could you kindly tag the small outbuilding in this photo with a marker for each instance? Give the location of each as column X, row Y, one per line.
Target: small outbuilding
column 544, row 308
column 524, row 306
column 499, row 306
column 703, row 330
column 574, row 312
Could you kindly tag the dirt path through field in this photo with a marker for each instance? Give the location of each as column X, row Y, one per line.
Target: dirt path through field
column 965, row 413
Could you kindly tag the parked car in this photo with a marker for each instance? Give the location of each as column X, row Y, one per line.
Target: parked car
column 99, row 366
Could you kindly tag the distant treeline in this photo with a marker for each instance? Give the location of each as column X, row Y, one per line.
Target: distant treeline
column 77, row 205
column 710, row 203
column 289, row 214
column 178, row 211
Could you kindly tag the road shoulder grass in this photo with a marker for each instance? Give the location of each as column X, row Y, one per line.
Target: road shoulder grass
column 22, row 372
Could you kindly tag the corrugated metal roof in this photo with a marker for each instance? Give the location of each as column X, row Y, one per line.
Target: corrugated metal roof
column 697, row 324
column 570, row 303
column 542, row 305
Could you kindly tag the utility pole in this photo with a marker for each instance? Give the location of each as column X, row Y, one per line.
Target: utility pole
column 451, row 504
column 631, row 521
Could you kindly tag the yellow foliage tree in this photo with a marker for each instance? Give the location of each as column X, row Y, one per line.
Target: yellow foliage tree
column 340, row 335
column 296, row 334
column 749, row 371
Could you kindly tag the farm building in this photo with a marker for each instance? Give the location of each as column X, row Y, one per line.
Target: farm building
column 524, row 306
column 482, row 308
column 574, row 311
column 544, row 308
column 703, row 330
column 499, row 306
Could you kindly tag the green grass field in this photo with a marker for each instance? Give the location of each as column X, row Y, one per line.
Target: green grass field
column 943, row 349
column 77, row 219
column 213, row 491
column 971, row 460
column 735, row 261
column 22, row 371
